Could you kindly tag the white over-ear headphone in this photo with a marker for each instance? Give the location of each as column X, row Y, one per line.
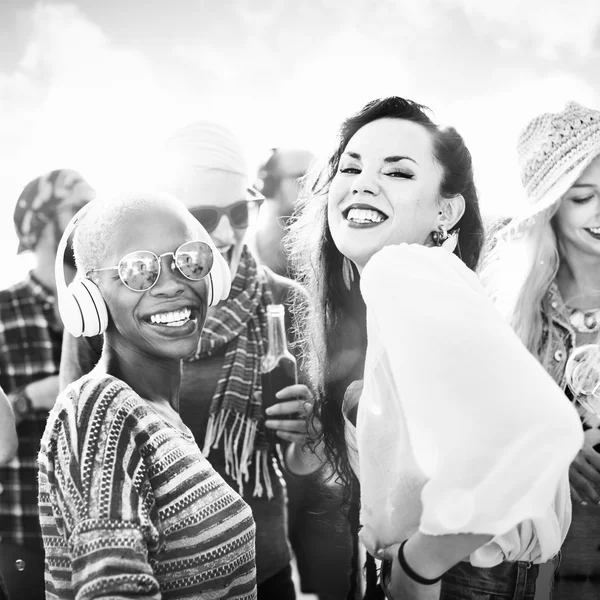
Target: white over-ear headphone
column 81, row 305
column 219, row 277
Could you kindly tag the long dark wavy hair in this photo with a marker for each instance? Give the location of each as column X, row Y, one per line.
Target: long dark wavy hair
column 331, row 319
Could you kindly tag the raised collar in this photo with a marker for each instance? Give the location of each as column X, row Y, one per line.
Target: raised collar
column 555, row 307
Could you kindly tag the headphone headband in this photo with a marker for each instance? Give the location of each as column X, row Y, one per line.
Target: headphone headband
column 81, row 306
column 59, row 267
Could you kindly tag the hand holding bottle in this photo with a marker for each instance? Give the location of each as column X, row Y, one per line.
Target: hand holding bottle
column 291, row 418
column 278, row 370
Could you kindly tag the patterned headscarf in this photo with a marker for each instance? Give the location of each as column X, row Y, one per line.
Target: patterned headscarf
column 202, row 146
column 40, row 199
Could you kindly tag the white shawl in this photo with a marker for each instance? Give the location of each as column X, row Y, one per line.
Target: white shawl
column 459, row 428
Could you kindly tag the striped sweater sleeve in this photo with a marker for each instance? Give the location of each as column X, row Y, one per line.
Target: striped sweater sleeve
column 97, row 477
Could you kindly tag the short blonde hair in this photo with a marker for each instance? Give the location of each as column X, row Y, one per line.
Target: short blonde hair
column 96, row 232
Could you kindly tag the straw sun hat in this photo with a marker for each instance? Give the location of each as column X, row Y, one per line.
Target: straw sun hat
column 553, row 150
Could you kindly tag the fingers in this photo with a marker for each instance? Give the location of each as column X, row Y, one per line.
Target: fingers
column 584, row 488
column 298, row 390
column 575, row 497
column 593, row 459
column 297, row 405
column 287, row 425
column 388, row 553
column 301, row 408
column 288, row 436
column 583, row 466
column 290, row 430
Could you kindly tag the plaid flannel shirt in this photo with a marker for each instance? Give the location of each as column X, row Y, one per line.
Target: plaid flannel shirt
column 30, row 345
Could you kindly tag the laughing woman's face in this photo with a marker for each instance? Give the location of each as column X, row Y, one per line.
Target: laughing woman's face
column 166, row 320
column 386, row 189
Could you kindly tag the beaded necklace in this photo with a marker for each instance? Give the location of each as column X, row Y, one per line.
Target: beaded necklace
column 585, row 321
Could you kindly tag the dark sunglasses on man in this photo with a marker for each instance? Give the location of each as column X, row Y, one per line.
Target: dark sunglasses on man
column 238, row 213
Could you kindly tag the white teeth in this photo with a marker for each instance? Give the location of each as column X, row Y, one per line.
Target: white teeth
column 365, row 215
column 174, row 318
column 595, row 230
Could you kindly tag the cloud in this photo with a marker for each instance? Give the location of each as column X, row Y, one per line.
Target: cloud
column 492, row 121
column 548, row 26
column 282, row 72
column 74, row 100
column 73, row 95
column 56, row 32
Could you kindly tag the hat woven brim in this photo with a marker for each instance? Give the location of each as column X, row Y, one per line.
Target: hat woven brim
column 526, row 218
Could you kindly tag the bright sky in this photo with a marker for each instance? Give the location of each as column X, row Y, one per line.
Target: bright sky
column 94, row 85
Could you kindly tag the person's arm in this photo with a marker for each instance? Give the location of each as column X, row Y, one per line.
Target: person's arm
column 584, row 472
column 433, row 556
column 112, row 561
column 78, row 357
column 8, row 434
column 106, row 520
column 37, row 396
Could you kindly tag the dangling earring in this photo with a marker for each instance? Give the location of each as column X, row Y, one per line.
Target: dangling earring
column 451, row 244
column 439, row 236
column 347, row 273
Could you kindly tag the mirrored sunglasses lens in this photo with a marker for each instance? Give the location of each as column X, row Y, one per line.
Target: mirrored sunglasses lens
column 139, row 270
column 208, row 217
column 194, row 260
column 238, row 214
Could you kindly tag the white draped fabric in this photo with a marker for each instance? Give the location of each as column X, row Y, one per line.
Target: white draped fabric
column 459, row 429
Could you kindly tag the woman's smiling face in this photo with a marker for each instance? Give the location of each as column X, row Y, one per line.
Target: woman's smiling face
column 386, row 189
column 578, row 216
column 165, row 321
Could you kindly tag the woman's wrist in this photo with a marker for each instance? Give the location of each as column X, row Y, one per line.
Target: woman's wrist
column 432, row 555
column 301, row 461
column 422, row 558
column 410, row 572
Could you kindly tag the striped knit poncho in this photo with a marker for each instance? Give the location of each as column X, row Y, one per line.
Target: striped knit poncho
column 129, row 507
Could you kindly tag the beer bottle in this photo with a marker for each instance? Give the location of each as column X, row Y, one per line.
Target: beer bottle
column 278, row 369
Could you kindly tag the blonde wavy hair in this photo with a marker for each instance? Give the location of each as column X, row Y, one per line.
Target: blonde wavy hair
column 517, row 270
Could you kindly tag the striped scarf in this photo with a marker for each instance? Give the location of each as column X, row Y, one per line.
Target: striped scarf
column 240, row 325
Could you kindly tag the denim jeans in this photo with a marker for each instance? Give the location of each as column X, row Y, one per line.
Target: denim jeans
column 510, row 581
column 506, row 581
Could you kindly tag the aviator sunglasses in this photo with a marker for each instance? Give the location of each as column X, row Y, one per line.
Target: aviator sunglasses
column 238, row 213
column 140, row 270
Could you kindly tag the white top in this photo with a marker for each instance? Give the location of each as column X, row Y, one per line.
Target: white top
column 459, row 428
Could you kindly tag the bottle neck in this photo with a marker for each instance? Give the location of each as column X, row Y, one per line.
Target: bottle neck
column 276, row 335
